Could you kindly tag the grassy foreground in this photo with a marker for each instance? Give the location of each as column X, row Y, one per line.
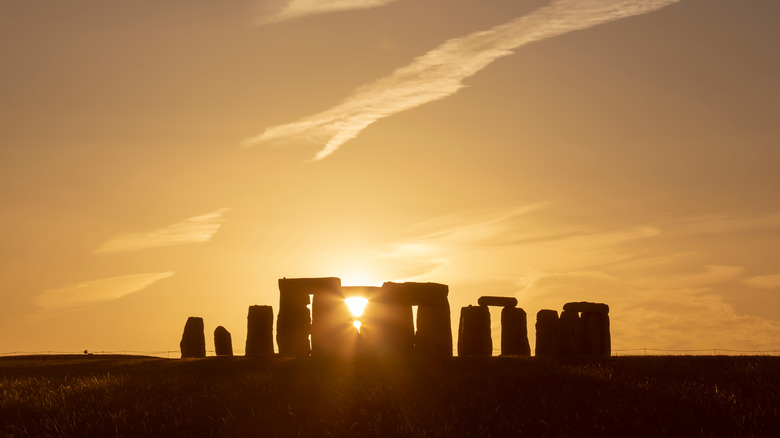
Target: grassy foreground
column 618, row 396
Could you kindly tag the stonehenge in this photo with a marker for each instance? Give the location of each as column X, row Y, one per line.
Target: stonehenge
column 582, row 329
column 315, row 320
column 260, row 331
column 474, row 330
column 223, row 342
column 193, row 340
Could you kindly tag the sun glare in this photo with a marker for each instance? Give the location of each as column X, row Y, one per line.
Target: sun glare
column 359, row 276
column 356, row 305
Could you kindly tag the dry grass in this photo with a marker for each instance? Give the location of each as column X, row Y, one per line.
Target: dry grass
column 621, row 396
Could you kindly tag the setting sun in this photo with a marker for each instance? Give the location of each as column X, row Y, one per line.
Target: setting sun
column 356, row 305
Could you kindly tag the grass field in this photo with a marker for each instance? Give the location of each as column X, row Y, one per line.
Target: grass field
column 618, row 396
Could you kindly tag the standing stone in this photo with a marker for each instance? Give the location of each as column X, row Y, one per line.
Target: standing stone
column 260, row 331
column 434, row 332
column 605, row 340
column 572, row 341
column 387, row 327
column 547, row 333
column 474, row 332
column 193, row 340
column 293, row 324
column 596, row 333
column 514, row 332
column 223, row 342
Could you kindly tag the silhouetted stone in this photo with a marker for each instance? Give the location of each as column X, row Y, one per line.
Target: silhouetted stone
column 514, row 332
column 547, row 333
column 387, row 327
column 193, row 340
column 497, row 301
column 434, row 332
column 417, row 294
column 310, row 286
column 584, row 306
column 293, row 324
column 260, row 331
column 474, row 337
column 572, row 340
column 223, row 342
column 597, row 340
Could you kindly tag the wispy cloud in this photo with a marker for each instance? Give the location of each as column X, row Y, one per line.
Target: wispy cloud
column 722, row 224
column 93, row 292
column 481, row 244
column 289, row 9
column 764, row 281
column 192, row 230
column 708, row 276
column 440, row 73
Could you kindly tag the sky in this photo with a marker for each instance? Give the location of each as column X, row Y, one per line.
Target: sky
column 160, row 160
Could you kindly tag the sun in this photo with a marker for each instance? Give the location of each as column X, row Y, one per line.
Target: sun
column 356, row 305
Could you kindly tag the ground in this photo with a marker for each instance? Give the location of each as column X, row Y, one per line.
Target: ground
column 616, row 396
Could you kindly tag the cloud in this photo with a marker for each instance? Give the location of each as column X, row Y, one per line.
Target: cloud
column 713, row 274
column 480, row 245
column 291, row 9
column 440, row 73
column 192, row 230
column 94, row 292
column 722, row 224
column 498, row 227
column 764, row 281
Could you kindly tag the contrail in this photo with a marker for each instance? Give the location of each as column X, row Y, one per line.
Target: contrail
column 93, row 292
column 440, row 73
column 192, row 230
column 300, row 8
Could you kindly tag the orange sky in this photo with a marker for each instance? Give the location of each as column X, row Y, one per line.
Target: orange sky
column 167, row 159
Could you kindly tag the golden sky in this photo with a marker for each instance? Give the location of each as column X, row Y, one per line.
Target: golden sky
column 161, row 160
